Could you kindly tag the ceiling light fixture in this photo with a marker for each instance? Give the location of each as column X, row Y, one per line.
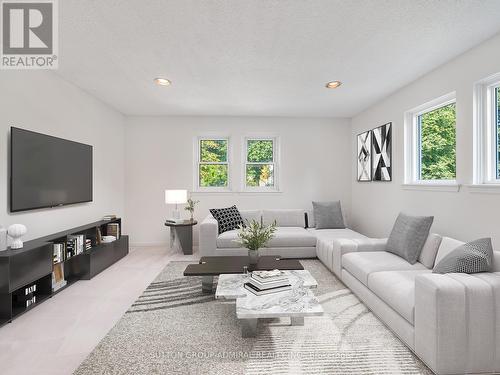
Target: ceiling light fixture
column 162, row 81
column 333, row 84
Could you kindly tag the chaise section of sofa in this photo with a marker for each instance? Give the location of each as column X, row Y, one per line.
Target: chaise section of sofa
column 451, row 321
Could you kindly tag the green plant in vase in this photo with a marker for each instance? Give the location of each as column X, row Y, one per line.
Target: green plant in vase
column 255, row 235
column 191, row 204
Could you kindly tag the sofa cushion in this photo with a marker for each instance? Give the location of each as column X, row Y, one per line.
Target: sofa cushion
column 408, row 236
column 249, row 215
column 447, row 246
column 283, row 237
column 284, row 217
column 328, row 215
column 430, row 249
column 362, row 264
column 397, row 289
column 472, row 257
column 333, row 234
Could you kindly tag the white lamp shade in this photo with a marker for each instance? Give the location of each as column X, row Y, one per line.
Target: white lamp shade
column 175, row 196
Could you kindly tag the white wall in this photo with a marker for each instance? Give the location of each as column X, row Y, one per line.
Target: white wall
column 43, row 102
column 463, row 215
column 159, row 155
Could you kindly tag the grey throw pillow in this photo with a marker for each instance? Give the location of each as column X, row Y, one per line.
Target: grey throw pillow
column 408, row 236
column 328, row 215
column 472, row 257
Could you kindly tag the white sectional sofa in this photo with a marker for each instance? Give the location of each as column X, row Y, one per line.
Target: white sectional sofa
column 291, row 240
column 451, row 321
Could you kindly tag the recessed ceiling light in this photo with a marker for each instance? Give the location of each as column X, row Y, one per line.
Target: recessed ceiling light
column 162, row 81
column 333, row 84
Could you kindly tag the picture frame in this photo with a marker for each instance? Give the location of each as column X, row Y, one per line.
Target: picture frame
column 382, row 153
column 364, row 157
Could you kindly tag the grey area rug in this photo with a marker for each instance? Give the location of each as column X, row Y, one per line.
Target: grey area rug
column 173, row 328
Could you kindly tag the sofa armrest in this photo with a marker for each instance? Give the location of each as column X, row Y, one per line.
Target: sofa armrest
column 209, row 231
column 457, row 322
column 343, row 246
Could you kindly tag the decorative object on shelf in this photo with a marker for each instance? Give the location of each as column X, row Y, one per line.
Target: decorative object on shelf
column 109, row 217
column 16, row 232
column 3, row 238
column 254, row 236
column 365, row 156
column 382, row 153
column 108, row 239
column 175, row 197
column 191, row 204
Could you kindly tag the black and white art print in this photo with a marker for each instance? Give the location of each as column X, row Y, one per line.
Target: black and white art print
column 365, row 156
column 382, row 153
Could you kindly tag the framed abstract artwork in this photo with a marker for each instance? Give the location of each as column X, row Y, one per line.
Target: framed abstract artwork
column 382, row 153
column 364, row 156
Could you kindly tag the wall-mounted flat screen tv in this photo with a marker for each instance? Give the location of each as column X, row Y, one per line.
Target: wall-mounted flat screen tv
column 46, row 171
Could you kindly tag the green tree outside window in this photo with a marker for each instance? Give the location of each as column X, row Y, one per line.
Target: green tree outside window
column 437, row 130
column 260, row 163
column 213, row 166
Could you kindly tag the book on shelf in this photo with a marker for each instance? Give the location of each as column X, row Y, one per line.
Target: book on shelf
column 113, row 229
column 259, row 292
column 59, row 252
column 58, row 280
column 75, row 244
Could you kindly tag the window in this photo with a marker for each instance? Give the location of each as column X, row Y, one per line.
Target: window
column 430, row 143
column 261, row 164
column 487, row 131
column 213, row 164
column 436, row 138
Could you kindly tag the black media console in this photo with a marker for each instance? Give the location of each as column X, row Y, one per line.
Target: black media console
column 33, row 265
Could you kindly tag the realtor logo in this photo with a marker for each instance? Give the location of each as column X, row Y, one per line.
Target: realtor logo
column 29, row 34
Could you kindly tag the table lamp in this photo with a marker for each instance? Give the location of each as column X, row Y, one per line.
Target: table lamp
column 175, row 197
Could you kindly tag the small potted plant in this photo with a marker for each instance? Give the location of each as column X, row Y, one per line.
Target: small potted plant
column 191, row 204
column 254, row 236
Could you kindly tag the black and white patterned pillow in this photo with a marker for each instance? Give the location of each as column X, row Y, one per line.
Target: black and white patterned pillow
column 227, row 218
column 472, row 257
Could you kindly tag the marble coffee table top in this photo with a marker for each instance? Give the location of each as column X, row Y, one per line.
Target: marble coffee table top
column 230, row 286
column 298, row 302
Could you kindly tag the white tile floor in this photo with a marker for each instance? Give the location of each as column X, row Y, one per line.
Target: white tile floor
column 55, row 337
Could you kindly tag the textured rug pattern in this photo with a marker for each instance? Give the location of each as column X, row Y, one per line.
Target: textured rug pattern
column 174, row 328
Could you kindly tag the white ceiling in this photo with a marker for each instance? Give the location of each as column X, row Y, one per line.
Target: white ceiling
column 261, row 57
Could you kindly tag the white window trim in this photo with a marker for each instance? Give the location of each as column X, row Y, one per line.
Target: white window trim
column 412, row 180
column 197, row 161
column 276, row 165
column 484, row 163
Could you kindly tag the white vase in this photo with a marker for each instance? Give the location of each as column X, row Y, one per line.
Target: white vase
column 3, row 238
column 16, row 231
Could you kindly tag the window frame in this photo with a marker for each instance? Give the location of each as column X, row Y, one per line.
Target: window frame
column 198, row 163
column 413, row 156
column 485, row 134
column 275, row 163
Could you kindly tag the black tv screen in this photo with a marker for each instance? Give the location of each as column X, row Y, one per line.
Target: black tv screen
column 46, row 171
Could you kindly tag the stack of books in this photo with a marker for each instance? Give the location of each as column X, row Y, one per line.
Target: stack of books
column 75, row 245
column 109, row 217
column 88, row 244
column 266, row 282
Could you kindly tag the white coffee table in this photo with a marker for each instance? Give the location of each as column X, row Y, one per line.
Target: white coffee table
column 296, row 303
